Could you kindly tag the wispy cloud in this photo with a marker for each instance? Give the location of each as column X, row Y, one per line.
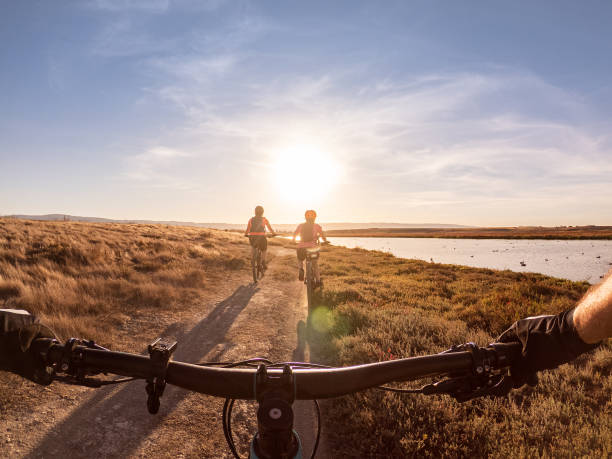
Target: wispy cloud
column 121, row 37
column 150, row 6
column 489, row 135
column 155, row 168
column 154, row 6
column 455, row 134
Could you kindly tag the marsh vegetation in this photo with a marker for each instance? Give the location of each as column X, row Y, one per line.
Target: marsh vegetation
column 378, row 307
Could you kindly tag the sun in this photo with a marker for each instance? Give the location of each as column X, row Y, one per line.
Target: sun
column 305, row 171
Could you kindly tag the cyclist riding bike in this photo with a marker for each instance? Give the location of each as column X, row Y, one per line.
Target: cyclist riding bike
column 309, row 233
column 256, row 231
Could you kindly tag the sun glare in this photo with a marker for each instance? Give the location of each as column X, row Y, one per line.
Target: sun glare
column 305, row 171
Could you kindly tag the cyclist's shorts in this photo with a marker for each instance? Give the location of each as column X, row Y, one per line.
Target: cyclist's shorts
column 261, row 242
column 301, row 254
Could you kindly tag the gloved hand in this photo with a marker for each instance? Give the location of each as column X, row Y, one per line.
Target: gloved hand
column 548, row 341
column 18, row 351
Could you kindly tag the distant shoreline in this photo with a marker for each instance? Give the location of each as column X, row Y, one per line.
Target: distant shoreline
column 589, row 232
column 567, row 233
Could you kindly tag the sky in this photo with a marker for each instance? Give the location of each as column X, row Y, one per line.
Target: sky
column 483, row 113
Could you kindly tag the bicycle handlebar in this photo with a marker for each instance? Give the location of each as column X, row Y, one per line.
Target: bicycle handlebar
column 309, row 384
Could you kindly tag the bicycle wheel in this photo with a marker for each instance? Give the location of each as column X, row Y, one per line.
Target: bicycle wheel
column 309, row 284
column 255, row 264
column 260, row 270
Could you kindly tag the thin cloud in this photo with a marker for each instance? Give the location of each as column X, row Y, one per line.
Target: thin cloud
column 442, row 132
column 501, row 129
column 147, row 6
column 122, row 38
column 154, row 168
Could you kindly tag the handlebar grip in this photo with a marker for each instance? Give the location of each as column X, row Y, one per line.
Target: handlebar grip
column 507, row 353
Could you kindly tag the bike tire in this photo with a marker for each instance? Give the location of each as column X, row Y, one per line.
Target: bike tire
column 255, row 264
column 309, row 286
column 260, row 270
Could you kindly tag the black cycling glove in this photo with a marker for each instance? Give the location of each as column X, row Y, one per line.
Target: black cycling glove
column 548, row 341
column 18, row 330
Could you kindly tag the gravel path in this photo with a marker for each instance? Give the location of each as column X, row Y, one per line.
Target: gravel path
column 238, row 320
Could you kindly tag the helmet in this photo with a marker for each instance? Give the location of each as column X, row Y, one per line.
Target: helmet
column 259, row 211
column 310, row 214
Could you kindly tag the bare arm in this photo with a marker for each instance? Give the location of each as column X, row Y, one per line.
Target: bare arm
column 270, row 227
column 295, row 233
column 593, row 315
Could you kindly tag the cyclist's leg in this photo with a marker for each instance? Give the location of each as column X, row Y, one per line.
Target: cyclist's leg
column 253, row 255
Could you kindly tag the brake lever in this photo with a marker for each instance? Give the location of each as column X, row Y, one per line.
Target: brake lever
column 485, row 379
column 68, row 367
column 467, row 388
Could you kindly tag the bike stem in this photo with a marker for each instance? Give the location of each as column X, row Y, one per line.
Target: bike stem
column 275, row 438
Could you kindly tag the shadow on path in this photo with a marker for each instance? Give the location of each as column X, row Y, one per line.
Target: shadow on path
column 311, row 342
column 312, row 336
column 300, row 349
column 114, row 422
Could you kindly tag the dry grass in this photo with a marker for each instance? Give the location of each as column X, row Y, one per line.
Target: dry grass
column 91, row 279
column 380, row 307
column 80, row 277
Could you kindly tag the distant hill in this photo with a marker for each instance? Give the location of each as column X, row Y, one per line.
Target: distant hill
column 237, row 226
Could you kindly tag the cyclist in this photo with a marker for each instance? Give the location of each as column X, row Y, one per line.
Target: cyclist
column 256, row 231
column 309, row 233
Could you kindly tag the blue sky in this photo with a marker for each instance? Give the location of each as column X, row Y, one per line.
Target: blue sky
column 478, row 113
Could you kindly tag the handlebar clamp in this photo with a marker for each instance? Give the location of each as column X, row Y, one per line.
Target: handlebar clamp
column 160, row 353
column 282, row 386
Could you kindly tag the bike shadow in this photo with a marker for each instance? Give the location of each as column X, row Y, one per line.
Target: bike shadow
column 299, row 352
column 117, row 428
column 312, row 337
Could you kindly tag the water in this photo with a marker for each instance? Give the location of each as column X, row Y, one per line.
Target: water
column 577, row 260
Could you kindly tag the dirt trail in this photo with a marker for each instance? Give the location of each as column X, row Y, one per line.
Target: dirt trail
column 240, row 321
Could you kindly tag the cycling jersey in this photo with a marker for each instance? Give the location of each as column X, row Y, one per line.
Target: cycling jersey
column 257, row 226
column 309, row 234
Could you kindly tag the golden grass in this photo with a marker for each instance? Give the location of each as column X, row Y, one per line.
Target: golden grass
column 380, row 307
column 89, row 280
column 80, row 276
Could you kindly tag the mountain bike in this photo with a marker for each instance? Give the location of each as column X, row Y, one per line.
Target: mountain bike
column 469, row 371
column 257, row 262
column 312, row 257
